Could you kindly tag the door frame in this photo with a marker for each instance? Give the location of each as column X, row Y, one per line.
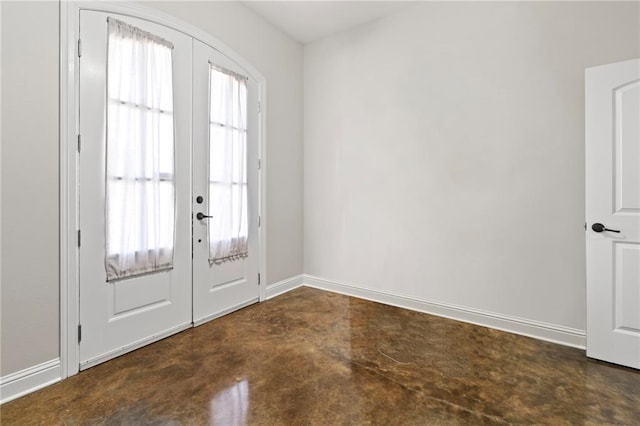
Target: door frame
column 68, row 157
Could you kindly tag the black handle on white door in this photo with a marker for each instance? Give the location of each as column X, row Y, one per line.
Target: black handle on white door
column 201, row 216
column 598, row 227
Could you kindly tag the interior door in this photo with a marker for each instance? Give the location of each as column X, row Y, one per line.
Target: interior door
column 220, row 287
column 121, row 315
column 613, row 212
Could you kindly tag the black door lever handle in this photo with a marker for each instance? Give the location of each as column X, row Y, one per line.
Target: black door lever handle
column 201, row 216
column 598, row 227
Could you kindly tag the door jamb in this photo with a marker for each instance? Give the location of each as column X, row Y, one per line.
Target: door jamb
column 68, row 159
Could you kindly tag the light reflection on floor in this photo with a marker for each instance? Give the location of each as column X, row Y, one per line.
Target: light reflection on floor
column 230, row 407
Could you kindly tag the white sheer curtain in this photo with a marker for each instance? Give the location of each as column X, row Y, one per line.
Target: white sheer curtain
column 140, row 183
column 228, row 229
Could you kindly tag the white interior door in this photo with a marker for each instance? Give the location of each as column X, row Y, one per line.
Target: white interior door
column 613, row 212
column 220, row 287
column 121, row 315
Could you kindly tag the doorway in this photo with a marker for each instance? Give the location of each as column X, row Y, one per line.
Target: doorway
column 121, row 308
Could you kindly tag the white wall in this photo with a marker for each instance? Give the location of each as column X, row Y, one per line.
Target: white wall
column 29, row 184
column 471, row 115
column 30, row 235
column 444, row 152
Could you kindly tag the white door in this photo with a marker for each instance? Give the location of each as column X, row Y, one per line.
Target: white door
column 119, row 315
column 613, row 212
column 229, row 282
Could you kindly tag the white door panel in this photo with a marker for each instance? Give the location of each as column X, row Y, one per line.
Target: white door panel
column 221, row 288
column 613, row 200
column 626, row 288
column 626, row 110
column 122, row 315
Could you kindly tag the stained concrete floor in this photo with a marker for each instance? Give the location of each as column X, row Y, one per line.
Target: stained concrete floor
column 317, row 358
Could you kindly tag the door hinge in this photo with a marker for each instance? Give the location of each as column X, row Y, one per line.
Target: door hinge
column 79, row 143
column 258, row 279
column 259, row 107
column 585, row 226
column 259, row 221
column 79, row 333
column 79, row 238
column 79, row 48
column 259, row 163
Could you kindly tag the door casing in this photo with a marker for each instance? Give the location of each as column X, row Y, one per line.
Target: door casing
column 68, row 157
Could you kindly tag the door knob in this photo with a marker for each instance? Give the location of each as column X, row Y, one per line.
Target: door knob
column 598, row 227
column 201, row 216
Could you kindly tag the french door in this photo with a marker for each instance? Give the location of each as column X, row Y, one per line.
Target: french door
column 225, row 285
column 123, row 313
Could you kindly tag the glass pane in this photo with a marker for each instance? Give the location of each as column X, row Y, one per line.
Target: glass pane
column 227, row 155
column 227, row 164
column 219, row 198
column 228, row 99
column 219, row 153
column 116, row 215
column 140, row 153
column 166, row 148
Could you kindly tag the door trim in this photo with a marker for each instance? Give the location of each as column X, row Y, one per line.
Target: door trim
column 68, row 161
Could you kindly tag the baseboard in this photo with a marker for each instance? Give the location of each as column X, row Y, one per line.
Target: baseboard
column 549, row 332
column 29, row 380
column 276, row 289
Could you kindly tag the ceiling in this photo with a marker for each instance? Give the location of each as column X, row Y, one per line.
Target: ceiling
column 308, row 21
